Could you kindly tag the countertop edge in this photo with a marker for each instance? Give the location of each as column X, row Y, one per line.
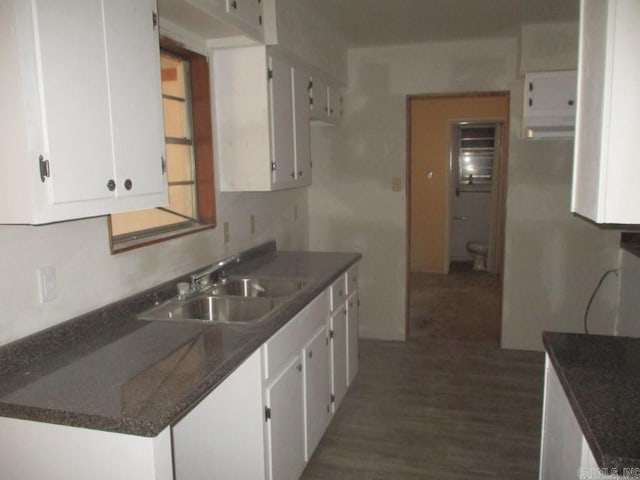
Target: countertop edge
column 28, row 351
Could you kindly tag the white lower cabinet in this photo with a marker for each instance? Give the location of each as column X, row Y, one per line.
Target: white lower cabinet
column 222, row 437
column 339, row 356
column 352, row 336
column 37, row 450
column 317, row 389
column 285, row 423
column 565, row 452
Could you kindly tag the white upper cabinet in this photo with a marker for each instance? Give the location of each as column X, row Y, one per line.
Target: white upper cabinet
column 262, row 120
column 247, row 11
column 606, row 168
column 220, row 22
column 326, row 102
column 549, row 104
column 85, row 137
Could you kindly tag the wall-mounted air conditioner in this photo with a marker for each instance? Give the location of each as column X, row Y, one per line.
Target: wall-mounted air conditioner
column 549, row 104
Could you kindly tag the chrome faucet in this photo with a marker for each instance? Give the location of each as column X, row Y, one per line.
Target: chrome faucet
column 197, row 283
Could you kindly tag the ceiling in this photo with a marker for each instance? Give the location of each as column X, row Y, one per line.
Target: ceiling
column 394, row 22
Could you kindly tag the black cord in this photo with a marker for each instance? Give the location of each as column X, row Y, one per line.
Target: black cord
column 586, row 312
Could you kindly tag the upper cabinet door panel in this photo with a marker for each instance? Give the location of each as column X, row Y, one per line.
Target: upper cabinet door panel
column 74, row 96
column 282, row 133
column 133, row 59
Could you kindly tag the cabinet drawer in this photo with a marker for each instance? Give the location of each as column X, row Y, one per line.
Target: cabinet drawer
column 338, row 292
column 282, row 346
column 352, row 279
column 314, row 315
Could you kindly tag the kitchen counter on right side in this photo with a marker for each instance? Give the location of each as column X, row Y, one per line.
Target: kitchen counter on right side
column 600, row 376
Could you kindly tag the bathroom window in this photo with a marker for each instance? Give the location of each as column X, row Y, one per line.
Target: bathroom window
column 476, row 144
column 189, row 162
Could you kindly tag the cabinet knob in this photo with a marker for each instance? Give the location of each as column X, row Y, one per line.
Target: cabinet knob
column 570, row 102
column 234, row 4
column 128, row 184
column 293, row 174
column 310, row 353
column 300, row 173
column 299, row 367
column 111, row 185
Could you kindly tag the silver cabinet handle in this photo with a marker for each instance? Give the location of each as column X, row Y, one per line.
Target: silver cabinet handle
column 462, row 218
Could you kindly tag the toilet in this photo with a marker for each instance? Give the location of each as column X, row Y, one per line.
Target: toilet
column 479, row 252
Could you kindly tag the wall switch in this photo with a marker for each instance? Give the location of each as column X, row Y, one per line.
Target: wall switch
column 396, row 184
column 47, row 283
column 252, row 224
column 225, row 232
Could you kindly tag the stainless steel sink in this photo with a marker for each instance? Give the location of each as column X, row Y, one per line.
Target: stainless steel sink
column 208, row 308
column 272, row 287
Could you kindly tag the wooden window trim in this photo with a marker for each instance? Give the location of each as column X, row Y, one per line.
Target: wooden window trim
column 203, row 150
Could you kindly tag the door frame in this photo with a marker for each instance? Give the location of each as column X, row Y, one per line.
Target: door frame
column 500, row 205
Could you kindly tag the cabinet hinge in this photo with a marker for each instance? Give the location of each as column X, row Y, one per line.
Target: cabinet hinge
column 270, row 74
column 267, row 414
column 44, row 168
column 333, row 398
column 331, row 333
column 155, row 20
column 273, row 166
column 260, row 19
column 531, row 86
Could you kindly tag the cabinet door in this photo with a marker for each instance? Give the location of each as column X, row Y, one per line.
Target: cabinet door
column 352, row 337
column 302, row 128
column 339, row 356
column 281, row 125
column 222, row 437
column 247, row 11
column 317, row 389
column 604, row 174
column 98, row 87
column 285, row 424
column 550, row 93
column 320, row 97
column 561, row 434
column 133, row 59
column 74, row 94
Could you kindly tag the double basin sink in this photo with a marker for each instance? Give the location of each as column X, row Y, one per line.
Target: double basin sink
column 231, row 300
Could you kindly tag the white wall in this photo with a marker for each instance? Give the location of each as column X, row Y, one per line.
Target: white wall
column 552, row 259
column 351, row 203
column 628, row 322
column 88, row 276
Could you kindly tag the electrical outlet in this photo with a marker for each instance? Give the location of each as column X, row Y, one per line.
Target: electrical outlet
column 252, row 224
column 47, row 283
column 225, row 231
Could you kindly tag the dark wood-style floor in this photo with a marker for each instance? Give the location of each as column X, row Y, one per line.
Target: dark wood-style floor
column 430, row 408
column 463, row 305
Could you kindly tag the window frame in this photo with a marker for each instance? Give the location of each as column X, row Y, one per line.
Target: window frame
column 202, row 133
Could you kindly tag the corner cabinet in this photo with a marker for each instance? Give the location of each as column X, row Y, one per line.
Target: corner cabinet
column 262, row 120
column 85, row 135
column 605, row 167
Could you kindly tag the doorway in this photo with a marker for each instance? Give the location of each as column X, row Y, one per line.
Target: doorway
column 456, row 177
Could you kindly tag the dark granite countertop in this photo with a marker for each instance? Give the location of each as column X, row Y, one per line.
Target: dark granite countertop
column 106, row 370
column 601, row 378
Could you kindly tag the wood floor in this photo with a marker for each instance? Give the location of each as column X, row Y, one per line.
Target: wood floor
column 463, row 305
column 436, row 409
